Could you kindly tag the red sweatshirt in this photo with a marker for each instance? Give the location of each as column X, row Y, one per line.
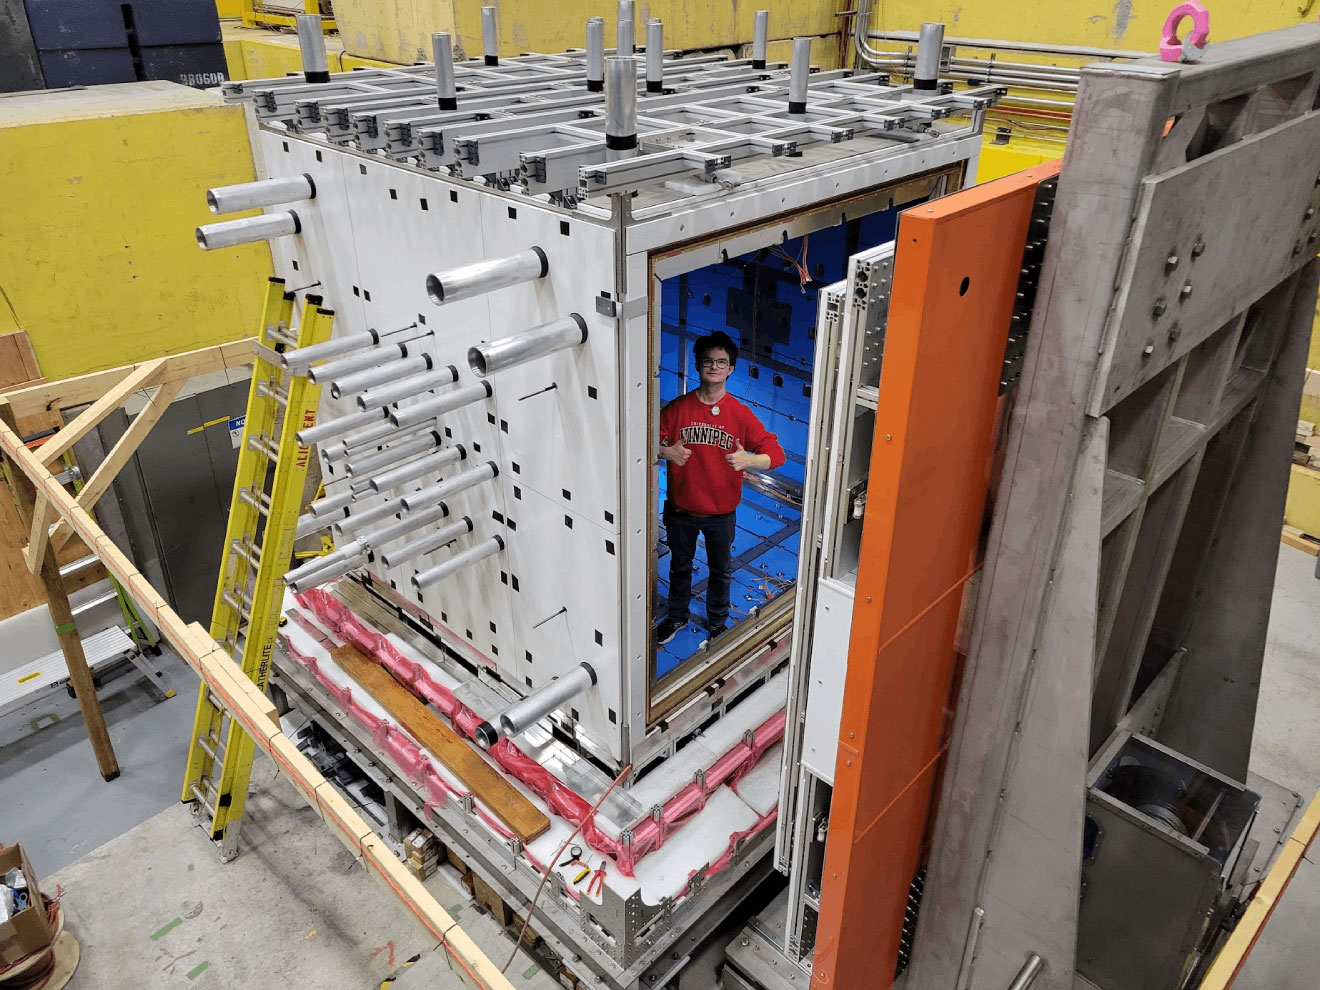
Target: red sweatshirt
column 706, row 485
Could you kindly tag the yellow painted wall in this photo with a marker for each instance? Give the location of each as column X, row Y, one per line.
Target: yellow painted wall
column 1126, row 24
column 255, row 53
column 396, row 30
column 102, row 189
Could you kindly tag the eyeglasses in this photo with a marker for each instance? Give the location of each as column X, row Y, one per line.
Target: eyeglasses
column 709, row 362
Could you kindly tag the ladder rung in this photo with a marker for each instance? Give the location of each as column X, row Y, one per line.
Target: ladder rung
column 208, row 745
column 240, row 604
column 272, row 390
column 199, row 792
column 281, row 335
column 247, row 550
column 258, row 500
column 263, row 444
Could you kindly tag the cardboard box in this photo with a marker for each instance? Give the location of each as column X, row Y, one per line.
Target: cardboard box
column 30, row 930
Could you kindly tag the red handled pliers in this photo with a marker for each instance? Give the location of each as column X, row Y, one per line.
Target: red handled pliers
column 596, row 885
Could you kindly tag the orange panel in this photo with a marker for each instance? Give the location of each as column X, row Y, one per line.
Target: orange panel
column 956, row 272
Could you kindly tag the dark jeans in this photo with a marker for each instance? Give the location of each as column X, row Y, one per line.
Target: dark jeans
column 682, row 530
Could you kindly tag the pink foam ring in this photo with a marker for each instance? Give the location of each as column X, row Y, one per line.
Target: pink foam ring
column 1171, row 48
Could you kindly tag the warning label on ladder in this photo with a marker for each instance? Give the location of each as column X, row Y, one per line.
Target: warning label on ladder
column 236, row 429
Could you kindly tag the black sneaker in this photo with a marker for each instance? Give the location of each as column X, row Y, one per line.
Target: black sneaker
column 713, row 629
column 667, row 630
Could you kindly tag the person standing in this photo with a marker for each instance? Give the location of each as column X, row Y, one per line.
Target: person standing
column 708, row 439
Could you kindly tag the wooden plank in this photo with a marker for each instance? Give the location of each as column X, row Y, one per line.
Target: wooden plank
column 124, row 448
column 485, row 782
column 17, row 362
column 143, row 376
column 38, row 399
column 1294, row 537
column 257, row 717
column 38, row 535
column 61, row 615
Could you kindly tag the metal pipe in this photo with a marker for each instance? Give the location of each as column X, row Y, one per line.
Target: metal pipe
column 596, row 54
column 507, row 352
column 1028, row 973
column 302, row 582
column 311, row 43
column 405, row 524
column 338, row 427
column 522, row 715
column 620, row 108
column 487, row 276
column 353, row 363
column 328, row 506
column 798, row 74
column 1076, row 51
column 366, row 515
column 442, row 51
column 300, row 358
column 930, row 52
column 624, row 32
column 969, row 948
column 655, row 56
column 429, row 543
column 440, row 404
column 404, row 388
column 760, row 38
column 247, row 230
column 376, row 435
column 418, row 468
column 365, row 465
column 490, row 37
column 446, row 489
column 264, row 192
column 389, row 371
column 466, row 558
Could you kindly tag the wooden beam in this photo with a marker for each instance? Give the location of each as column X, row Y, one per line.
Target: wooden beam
column 38, row 399
column 144, row 376
column 57, row 600
column 442, row 742
column 39, row 537
column 253, row 712
column 114, row 462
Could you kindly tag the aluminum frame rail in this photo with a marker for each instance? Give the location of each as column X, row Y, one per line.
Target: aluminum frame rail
column 532, row 125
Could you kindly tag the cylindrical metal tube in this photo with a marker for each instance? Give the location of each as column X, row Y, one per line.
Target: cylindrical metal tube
column 466, row 558
column 303, row 582
column 354, row 363
column 443, row 536
column 309, row 524
column 311, row 42
column 383, row 395
column 328, row 506
column 439, row 405
column 486, row 276
column 264, row 192
column 497, row 355
column 442, row 50
column 655, row 56
column 1031, row 968
column 760, row 38
column 620, row 108
column 522, row 715
column 930, row 50
column 596, row 54
column 338, row 427
column 446, row 489
column 357, row 518
column 390, row 371
column 367, row 464
column 247, row 230
column 301, row 357
column 401, row 527
column 373, row 437
column 624, row 31
column 798, row 73
column 415, row 469
column 490, row 36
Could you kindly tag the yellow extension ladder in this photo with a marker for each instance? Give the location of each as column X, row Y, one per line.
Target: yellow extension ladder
column 263, row 515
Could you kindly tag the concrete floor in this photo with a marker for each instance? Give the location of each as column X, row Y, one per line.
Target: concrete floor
column 295, row 908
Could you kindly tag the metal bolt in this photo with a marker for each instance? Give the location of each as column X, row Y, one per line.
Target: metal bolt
column 1310, row 212
column 1159, row 308
column 1175, row 332
column 1186, row 292
column 1198, row 248
column 1170, row 263
column 1149, row 349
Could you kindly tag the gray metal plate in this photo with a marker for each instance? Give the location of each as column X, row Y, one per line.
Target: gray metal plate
column 1242, row 203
